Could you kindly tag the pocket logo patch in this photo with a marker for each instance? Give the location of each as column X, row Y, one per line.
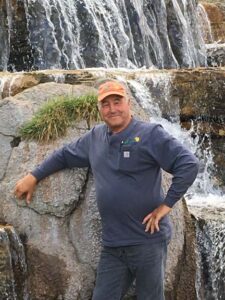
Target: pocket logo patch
column 126, row 154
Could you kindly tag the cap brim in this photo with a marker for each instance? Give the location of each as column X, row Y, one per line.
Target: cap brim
column 100, row 98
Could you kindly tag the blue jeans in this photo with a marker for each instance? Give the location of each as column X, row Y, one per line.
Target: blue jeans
column 119, row 266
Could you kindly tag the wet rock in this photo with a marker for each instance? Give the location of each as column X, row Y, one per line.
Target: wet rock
column 12, row 84
column 216, row 16
column 109, row 34
column 210, row 233
column 12, row 265
column 6, row 279
column 216, row 55
column 201, row 96
column 16, row 50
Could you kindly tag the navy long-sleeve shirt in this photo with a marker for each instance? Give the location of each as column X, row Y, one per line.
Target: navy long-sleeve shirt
column 127, row 171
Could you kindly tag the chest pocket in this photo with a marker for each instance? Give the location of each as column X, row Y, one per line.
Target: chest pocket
column 129, row 158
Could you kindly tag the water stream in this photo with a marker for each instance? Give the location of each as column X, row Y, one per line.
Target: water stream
column 13, row 268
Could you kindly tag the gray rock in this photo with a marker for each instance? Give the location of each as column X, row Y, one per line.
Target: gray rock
column 85, row 227
column 50, row 196
column 5, row 152
column 54, row 269
column 13, row 114
column 216, row 55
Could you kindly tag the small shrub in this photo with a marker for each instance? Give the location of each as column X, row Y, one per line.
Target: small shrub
column 55, row 116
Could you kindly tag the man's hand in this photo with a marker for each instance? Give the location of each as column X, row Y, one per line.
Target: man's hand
column 154, row 217
column 25, row 187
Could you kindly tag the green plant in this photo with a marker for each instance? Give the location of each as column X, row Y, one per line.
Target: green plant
column 55, row 116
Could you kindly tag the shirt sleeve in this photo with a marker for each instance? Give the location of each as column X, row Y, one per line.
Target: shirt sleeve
column 75, row 154
column 176, row 159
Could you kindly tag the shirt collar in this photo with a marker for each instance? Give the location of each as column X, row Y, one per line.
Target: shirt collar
column 124, row 133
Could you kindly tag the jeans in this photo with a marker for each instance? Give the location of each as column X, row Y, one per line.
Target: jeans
column 119, row 266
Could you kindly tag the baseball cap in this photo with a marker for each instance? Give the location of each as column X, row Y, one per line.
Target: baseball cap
column 111, row 88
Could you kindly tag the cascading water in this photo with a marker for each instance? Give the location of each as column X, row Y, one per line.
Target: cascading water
column 69, row 34
column 211, row 240
column 153, row 93
column 204, row 24
column 13, row 268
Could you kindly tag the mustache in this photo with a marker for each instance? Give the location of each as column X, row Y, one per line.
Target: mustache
column 113, row 114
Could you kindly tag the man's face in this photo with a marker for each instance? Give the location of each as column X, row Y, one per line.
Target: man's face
column 115, row 111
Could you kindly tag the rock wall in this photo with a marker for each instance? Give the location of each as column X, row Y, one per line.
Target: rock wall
column 61, row 229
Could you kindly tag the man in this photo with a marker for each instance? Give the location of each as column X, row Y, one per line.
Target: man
column 126, row 157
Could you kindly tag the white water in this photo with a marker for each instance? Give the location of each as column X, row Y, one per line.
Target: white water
column 204, row 24
column 13, row 263
column 211, row 240
column 205, row 191
column 68, row 34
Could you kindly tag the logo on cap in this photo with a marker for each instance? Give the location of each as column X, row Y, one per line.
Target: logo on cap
column 111, row 88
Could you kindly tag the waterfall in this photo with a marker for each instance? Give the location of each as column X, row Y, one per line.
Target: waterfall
column 69, row 34
column 13, row 269
column 204, row 24
column 211, row 240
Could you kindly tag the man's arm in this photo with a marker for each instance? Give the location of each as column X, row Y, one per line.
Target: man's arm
column 176, row 159
column 75, row 154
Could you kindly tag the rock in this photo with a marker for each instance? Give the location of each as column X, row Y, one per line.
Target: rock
column 49, row 197
column 14, row 84
column 5, row 152
column 210, row 232
column 12, row 264
column 200, row 93
column 54, row 270
column 181, row 263
column 85, row 227
column 216, row 16
column 6, row 278
column 204, row 24
column 16, row 51
column 216, row 55
column 15, row 111
column 215, row 48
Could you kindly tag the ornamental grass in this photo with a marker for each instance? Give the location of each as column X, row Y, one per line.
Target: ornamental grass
column 56, row 115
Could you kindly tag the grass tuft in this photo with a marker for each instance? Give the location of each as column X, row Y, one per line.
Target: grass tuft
column 55, row 116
